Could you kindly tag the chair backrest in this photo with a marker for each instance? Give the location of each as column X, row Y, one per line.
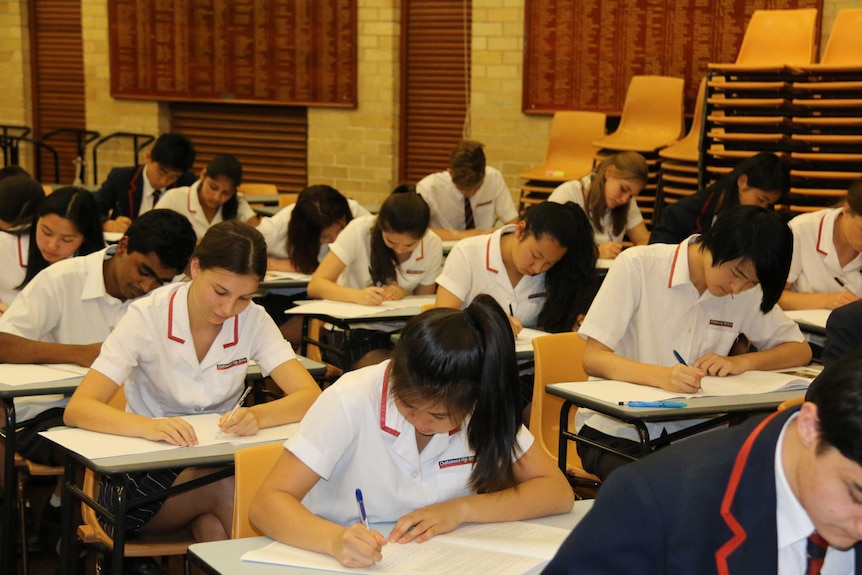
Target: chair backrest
column 844, row 47
column 570, row 145
column 791, row 403
column 688, row 148
column 654, row 105
column 779, row 37
column 252, row 464
column 557, row 359
column 257, row 189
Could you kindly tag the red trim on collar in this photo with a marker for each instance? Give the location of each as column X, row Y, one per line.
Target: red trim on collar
column 488, row 257
column 421, row 250
column 235, row 333
column 189, row 198
column 819, row 235
column 171, row 335
column 384, row 395
column 673, row 265
column 739, row 534
column 133, row 187
column 21, row 261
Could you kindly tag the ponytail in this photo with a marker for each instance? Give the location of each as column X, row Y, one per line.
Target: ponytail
column 465, row 361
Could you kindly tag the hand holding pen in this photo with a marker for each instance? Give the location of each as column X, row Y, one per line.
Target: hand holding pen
column 358, row 545
column 229, row 423
column 516, row 324
column 682, row 377
column 842, row 297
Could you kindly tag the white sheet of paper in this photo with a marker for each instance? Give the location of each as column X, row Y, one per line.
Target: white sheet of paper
column 24, row 373
column 346, row 310
column 273, row 275
column 524, row 341
column 96, row 445
column 816, row 317
column 509, row 548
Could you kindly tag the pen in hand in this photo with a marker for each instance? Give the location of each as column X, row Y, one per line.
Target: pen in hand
column 360, row 503
column 679, row 358
column 843, row 285
column 236, row 407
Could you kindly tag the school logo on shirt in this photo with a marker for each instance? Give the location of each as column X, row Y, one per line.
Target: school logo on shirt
column 466, row 460
column 720, row 323
column 537, row 295
column 234, row 363
column 483, row 204
column 414, row 272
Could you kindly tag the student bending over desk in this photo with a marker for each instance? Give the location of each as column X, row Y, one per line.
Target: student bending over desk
column 825, row 272
column 763, row 497
column 185, row 350
column 433, row 439
column 695, row 299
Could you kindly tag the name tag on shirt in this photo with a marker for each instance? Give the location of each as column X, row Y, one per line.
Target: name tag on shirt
column 234, row 363
column 719, row 323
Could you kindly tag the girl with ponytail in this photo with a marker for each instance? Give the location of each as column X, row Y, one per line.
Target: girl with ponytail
column 436, row 427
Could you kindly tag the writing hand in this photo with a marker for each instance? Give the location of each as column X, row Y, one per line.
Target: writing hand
column 393, row 292
column 370, row 296
column 359, row 547
column 610, row 250
column 682, row 378
column 840, row 298
column 516, row 324
column 243, row 422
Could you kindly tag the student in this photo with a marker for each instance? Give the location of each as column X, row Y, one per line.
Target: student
column 738, row 501
column 65, row 224
column 695, row 298
column 185, row 350
column 608, row 197
column 213, row 198
column 542, row 269
column 298, row 236
column 826, row 272
column 468, row 197
column 433, row 439
column 383, row 257
column 19, row 196
column 761, row 180
column 130, row 192
column 843, row 333
column 66, row 312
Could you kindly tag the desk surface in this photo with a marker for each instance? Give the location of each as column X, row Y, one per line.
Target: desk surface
column 810, row 320
column 223, row 557
column 336, row 311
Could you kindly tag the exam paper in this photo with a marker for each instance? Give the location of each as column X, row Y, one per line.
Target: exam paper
column 25, row 373
column 344, row 310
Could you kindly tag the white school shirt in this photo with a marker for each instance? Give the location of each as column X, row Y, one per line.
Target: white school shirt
column 794, row 526
column 491, row 202
column 147, row 194
column 815, row 261
column 353, row 437
column 573, row 191
column 647, row 307
column 185, row 201
column 353, row 248
column 274, row 230
column 152, row 351
column 475, row 266
column 65, row 303
column 14, row 251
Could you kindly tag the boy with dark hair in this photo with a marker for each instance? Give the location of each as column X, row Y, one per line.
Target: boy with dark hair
column 695, row 298
column 468, row 197
column 130, row 192
column 778, row 494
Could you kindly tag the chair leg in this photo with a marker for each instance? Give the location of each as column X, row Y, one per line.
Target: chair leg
column 186, row 565
column 22, row 518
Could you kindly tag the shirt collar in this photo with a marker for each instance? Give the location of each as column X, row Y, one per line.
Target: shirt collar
column 148, row 190
column 179, row 329
column 493, row 253
column 825, row 229
column 679, row 270
column 194, row 202
column 94, row 284
column 793, row 522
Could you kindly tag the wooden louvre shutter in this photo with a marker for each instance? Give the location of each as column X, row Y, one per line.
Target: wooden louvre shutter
column 435, row 83
column 57, row 70
column 270, row 141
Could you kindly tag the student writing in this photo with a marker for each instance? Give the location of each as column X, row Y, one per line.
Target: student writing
column 433, row 439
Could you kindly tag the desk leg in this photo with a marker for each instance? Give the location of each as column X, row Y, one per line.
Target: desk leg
column 563, row 447
column 303, row 345
column 118, row 552
column 643, row 433
column 67, row 512
column 8, row 556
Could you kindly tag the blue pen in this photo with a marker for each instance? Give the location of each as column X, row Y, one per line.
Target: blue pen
column 653, row 403
column 361, row 504
column 679, row 358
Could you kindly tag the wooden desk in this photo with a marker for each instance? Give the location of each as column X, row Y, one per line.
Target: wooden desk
column 8, row 393
column 223, row 557
column 721, row 410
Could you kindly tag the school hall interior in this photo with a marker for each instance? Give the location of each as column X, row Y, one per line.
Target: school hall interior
column 426, row 74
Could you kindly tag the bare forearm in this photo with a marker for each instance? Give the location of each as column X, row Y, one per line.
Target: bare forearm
column 288, row 409
column 322, row 288
column 285, row 519
column 15, row 349
column 790, row 300
column 95, row 415
column 536, row 497
column 608, row 365
column 448, row 234
column 790, row 354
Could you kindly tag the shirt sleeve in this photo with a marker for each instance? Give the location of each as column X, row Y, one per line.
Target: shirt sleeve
column 614, row 306
column 503, row 204
column 346, row 245
column 119, row 354
column 271, row 348
column 434, row 255
column 457, row 276
column 36, row 310
column 244, row 212
column 175, row 200
column 766, row 330
column 796, row 261
column 634, row 216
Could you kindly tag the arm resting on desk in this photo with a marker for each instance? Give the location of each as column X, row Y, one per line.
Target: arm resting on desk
column 300, row 391
column 798, row 300
column 323, row 285
column 16, row 349
column 787, row 354
column 280, row 264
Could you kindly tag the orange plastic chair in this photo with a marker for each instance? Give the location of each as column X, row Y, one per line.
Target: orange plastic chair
column 570, row 147
column 688, row 148
column 652, row 116
column 791, row 403
column 557, row 359
column 251, row 465
column 775, row 39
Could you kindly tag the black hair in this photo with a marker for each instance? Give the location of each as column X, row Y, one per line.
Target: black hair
column 317, row 208
column 19, row 196
column 766, row 171
column 174, row 152
column 571, row 283
column 403, row 212
column 166, row 233
column 837, row 393
column 465, row 361
column 76, row 205
column 758, row 235
column 228, row 166
column 235, row 247
column 13, row 170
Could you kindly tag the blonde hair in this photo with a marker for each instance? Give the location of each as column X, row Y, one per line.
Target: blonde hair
column 629, row 166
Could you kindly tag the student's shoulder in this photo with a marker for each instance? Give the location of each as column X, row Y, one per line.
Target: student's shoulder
column 359, row 385
column 811, row 219
column 357, row 209
column 124, row 174
column 432, row 240
column 432, row 183
column 175, row 198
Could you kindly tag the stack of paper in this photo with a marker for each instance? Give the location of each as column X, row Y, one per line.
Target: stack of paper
column 22, row 374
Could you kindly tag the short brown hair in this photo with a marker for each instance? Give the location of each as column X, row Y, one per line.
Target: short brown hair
column 467, row 164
